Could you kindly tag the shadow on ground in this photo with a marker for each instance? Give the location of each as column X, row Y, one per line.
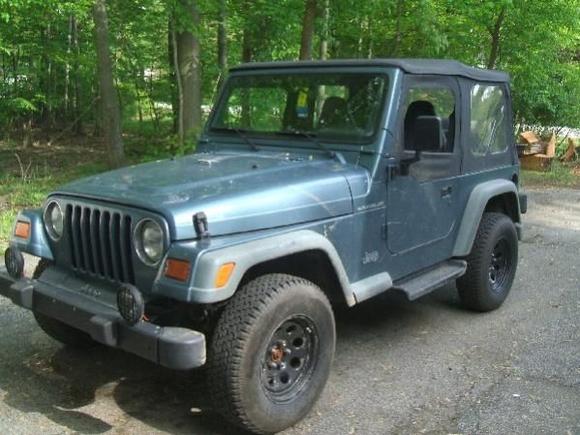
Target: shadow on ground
column 63, row 385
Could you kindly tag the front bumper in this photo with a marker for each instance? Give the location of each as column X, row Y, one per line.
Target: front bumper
column 172, row 347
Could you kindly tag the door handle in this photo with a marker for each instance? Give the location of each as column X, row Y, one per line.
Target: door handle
column 446, row 191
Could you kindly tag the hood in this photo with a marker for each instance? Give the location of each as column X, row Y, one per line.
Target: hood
column 238, row 192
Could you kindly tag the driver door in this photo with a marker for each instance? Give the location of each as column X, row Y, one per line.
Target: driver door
column 422, row 195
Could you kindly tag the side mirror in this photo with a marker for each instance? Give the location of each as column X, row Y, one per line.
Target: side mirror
column 427, row 134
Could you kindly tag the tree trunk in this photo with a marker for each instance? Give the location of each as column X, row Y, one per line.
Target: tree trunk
column 27, row 132
column 171, row 43
column 67, row 67
column 98, row 115
column 370, row 36
column 50, row 82
column 78, row 122
column 247, row 56
column 325, row 30
column 307, row 29
column 154, row 111
column 222, row 39
column 247, row 49
column 495, row 39
column 188, row 50
column 139, row 86
column 398, row 32
column 178, row 78
column 361, row 32
column 43, row 76
column 111, row 114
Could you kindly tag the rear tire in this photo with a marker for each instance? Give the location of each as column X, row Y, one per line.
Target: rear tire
column 56, row 329
column 271, row 353
column 491, row 265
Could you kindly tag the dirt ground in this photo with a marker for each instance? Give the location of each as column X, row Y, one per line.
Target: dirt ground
column 400, row 367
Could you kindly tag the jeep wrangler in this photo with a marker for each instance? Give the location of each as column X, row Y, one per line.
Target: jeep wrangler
column 315, row 185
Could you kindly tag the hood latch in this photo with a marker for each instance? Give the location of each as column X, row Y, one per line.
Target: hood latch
column 200, row 224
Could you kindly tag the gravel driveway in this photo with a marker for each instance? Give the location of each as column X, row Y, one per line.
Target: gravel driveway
column 401, row 367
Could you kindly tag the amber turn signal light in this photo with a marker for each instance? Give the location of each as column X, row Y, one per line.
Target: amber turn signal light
column 22, row 230
column 177, row 269
column 224, row 273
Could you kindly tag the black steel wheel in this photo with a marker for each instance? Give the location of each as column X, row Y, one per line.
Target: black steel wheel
column 499, row 266
column 271, row 352
column 290, row 358
column 491, row 265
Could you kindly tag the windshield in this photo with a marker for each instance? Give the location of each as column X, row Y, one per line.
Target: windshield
column 342, row 107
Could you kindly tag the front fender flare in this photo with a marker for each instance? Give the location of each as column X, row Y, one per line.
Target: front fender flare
column 249, row 254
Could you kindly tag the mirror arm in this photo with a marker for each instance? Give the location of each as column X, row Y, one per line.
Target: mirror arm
column 393, row 166
column 405, row 164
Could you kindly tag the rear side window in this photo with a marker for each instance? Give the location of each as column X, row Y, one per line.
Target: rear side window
column 489, row 132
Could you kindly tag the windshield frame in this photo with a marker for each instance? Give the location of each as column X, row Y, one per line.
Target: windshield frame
column 336, row 143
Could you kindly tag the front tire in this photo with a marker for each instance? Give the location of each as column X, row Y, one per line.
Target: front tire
column 491, row 265
column 271, row 353
column 57, row 330
column 64, row 333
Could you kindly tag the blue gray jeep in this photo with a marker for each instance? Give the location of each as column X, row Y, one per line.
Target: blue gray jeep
column 315, row 185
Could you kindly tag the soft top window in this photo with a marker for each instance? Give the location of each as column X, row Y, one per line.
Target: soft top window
column 488, row 123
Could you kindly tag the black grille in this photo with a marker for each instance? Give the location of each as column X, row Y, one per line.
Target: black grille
column 100, row 242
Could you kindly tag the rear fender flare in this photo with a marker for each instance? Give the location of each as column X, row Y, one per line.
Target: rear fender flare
column 478, row 200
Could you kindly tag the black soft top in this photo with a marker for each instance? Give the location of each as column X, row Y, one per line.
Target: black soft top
column 412, row 66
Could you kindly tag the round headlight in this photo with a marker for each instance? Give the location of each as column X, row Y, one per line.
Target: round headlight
column 149, row 242
column 54, row 220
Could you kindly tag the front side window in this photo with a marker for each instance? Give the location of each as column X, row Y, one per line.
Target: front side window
column 336, row 107
column 430, row 119
column 488, row 123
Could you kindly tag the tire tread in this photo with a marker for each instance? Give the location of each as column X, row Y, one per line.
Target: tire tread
column 472, row 292
column 232, row 331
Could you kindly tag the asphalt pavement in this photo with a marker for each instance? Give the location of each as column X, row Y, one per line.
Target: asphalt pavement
column 401, row 367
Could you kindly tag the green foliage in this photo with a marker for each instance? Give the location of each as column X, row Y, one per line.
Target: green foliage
column 48, row 63
column 48, row 69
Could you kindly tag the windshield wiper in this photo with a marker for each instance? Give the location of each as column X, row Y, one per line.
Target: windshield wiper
column 240, row 132
column 314, row 139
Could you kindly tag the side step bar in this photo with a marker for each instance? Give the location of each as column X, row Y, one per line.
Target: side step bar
column 425, row 282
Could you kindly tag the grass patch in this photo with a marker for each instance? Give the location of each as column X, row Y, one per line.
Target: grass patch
column 28, row 175
column 18, row 192
column 559, row 175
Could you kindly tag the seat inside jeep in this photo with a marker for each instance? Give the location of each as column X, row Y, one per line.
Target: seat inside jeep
column 334, row 113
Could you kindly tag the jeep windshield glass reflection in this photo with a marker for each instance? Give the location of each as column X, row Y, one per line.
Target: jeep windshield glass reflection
column 334, row 107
